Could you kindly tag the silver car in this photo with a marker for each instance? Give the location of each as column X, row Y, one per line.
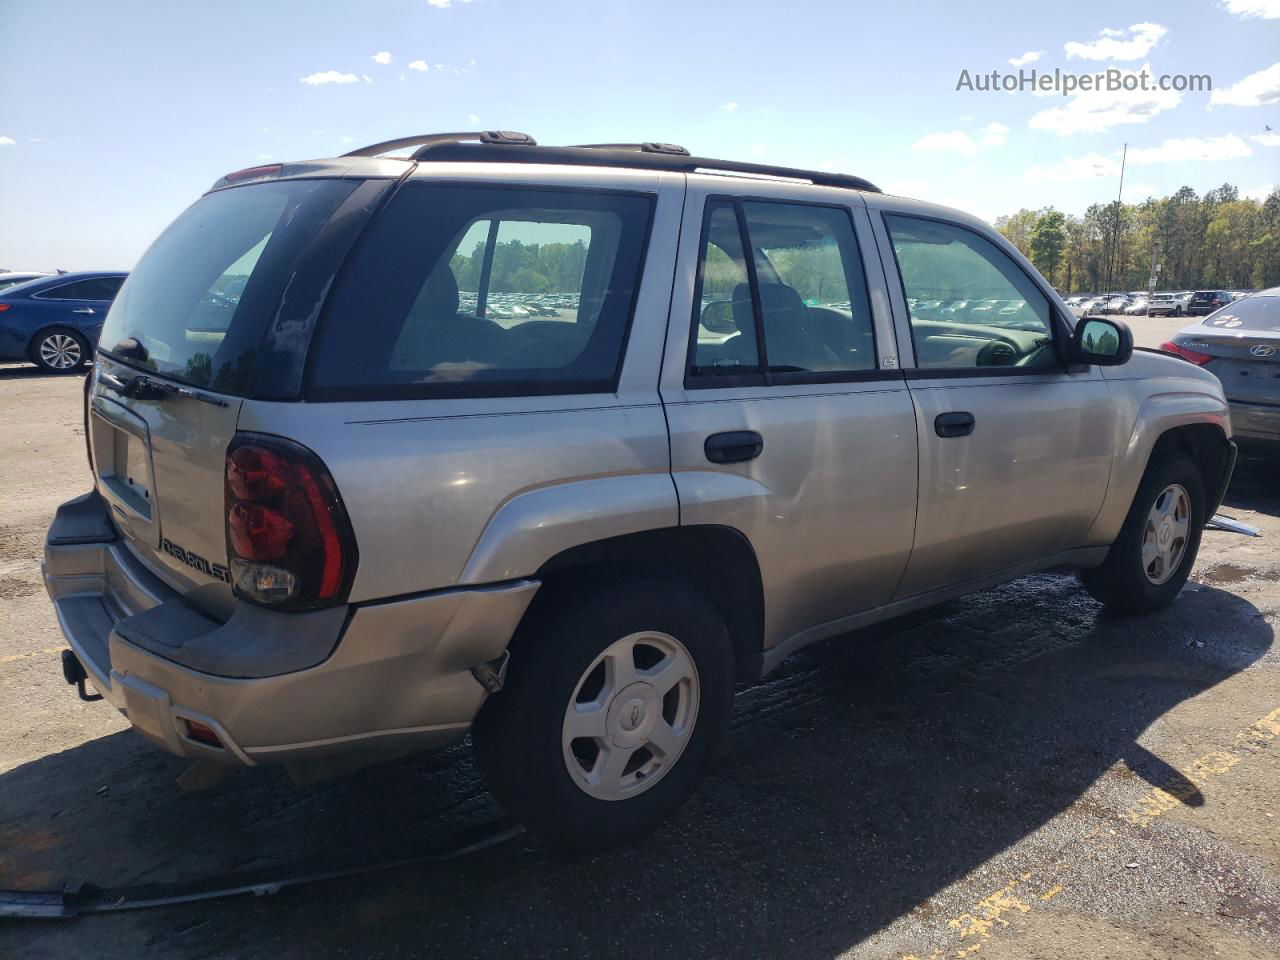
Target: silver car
column 353, row 497
column 1240, row 345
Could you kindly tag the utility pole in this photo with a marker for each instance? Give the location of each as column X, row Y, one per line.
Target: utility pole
column 1115, row 230
column 1155, row 266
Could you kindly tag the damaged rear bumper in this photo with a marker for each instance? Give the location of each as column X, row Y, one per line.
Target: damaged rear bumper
column 273, row 687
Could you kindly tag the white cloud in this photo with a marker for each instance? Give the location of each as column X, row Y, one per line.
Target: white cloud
column 419, row 65
column 366, row 78
column 1142, row 37
column 1074, row 168
column 1258, row 193
column 382, row 57
column 954, row 141
column 442, row 4
column 7, row 141
column 730, row 107
column 759, row 149
column 1031, row 56
column 1093, row 111
column 264, row 156
column 1184, row 150
column 993, row 135
column 1253, row 91
column 1267, row 139
column 329, row 76
column 1266, row 9
column 472, row 118
column 1200, row 149
column 346, row 139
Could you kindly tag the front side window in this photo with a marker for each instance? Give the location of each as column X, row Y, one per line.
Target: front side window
column 970, row 305
column 481, row 291
column 803, row 289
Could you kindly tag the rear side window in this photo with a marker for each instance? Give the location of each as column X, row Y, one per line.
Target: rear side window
column 93, row 288
column 199, row 301
column 484, row 291
column 803, row 288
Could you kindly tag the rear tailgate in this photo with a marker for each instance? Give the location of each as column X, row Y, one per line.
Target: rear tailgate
column 1244, row 340
column 221, row 307
column 159, row 464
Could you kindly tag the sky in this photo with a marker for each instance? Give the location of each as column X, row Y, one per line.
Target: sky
column 115, row 116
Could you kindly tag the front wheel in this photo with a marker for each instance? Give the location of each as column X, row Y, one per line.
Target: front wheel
column 613, row 706
column 59, row 351
column 1152, row 557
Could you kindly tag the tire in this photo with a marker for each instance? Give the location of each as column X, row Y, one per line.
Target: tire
column 1132, row 581
column 563, row 657
column 60, row 350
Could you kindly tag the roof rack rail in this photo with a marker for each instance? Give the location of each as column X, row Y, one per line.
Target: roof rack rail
column 648, row 147
column 428, row 140
column 506, row 146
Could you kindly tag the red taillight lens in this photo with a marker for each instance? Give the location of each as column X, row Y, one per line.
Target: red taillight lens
column 5, row 306
column 1199, row 359
column 202, row 733
column 289, row 542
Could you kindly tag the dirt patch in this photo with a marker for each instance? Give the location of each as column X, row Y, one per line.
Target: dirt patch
column 1231, row 573
column 11, row 588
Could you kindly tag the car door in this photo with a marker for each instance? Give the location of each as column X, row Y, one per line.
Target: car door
column 789, row 419
column 81, row 304
column 1015, row 449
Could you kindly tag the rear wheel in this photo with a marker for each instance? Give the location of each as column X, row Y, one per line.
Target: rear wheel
column 612, row 709
column 59, row 350
column 1151, row 559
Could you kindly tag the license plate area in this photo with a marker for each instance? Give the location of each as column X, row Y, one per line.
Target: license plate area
column 122, row 458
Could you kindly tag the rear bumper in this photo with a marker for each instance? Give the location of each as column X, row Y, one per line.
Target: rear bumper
column 1255, row 421
column 396, row 675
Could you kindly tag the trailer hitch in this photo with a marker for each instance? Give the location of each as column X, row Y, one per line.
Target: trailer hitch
column 74, row 673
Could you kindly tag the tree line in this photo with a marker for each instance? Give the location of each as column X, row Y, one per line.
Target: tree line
column 1213, row 241
column 524, row 267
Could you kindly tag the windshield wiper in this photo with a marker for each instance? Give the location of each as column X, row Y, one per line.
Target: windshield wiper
column 143, row 387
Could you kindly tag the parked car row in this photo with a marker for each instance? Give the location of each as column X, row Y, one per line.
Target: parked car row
column 1165, row 304
column 995, row 312
column 53, row 320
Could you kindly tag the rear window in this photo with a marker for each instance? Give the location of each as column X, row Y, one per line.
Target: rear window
column 484, row 291
column 196, row 306
column 1249, row 313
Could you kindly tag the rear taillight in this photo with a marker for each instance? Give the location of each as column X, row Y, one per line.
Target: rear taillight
column 289, row 542
column 5, row 306
column 1199, row 359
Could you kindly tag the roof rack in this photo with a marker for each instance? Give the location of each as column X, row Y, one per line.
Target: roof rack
column 430, row 139
column 507, row 146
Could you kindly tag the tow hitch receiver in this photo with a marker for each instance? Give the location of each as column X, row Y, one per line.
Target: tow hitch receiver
column 73, row 672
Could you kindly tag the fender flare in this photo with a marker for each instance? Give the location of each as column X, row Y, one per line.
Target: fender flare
column 533, row 526
column 1157, row 415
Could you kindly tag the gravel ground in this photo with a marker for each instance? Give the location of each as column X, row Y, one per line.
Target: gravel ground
column 1013, row 773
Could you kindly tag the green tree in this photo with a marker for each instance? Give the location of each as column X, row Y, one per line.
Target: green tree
column 1048, row 240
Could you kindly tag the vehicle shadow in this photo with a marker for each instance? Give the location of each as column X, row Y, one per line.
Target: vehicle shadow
column 856, row 782
column 1256, row 479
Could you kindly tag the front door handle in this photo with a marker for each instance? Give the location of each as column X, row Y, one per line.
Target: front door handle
column 958, row 424
column 733, row 446
column 88, row 310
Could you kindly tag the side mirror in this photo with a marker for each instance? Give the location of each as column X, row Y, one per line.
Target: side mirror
column 1102, row 341
column 717, row 317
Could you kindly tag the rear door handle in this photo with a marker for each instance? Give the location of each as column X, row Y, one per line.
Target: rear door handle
column 958, row 424
column 733, row 446
column 88, row 310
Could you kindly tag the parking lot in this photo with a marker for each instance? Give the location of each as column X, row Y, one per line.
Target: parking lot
column 1008, row 775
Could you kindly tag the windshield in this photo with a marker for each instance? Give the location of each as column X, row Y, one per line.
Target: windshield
column 196, row 306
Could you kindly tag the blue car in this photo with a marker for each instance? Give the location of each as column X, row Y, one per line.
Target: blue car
column 54, row 322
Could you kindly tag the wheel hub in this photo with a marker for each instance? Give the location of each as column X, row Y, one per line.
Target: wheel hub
column 632, row 715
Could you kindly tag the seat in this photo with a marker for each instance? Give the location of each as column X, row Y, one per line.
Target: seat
column 435, row 332
column 791, row 342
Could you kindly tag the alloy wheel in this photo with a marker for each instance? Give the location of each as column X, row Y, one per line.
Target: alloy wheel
column 1168, row 528
column 631, row 716
column 60, row 351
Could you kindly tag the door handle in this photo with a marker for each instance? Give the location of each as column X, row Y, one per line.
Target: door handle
column 958, row 424
column 733, row 446
column 88, row 310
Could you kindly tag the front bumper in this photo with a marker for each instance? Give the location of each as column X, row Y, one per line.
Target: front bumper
column 1255, row 421
column 395, row 676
